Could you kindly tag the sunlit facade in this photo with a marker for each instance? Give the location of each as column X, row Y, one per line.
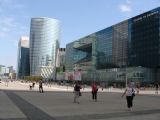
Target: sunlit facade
column 60, row 59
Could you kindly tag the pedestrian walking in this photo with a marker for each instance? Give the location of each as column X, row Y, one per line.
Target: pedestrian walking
column 77, row 92
column 156, row 87
column 138, row 88
column 94, row 91
column 7, row 82
column 40, row 86
column 33, row 84
column 130, row 93
column 30, row 86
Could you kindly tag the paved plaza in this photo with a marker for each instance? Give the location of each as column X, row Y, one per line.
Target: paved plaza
column 58, row 105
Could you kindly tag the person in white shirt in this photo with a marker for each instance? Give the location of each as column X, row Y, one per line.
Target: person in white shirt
column 130, row 93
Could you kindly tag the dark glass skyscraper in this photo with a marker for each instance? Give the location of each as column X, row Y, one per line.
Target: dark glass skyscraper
column 120, row 43
column 145, row 39
column 104, row 48
column 23, row 66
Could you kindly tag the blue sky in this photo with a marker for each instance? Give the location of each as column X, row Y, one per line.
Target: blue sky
column 78, row 19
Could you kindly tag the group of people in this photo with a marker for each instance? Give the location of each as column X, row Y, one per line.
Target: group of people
column 31, row 86
column 77, row 92
column 129, row 92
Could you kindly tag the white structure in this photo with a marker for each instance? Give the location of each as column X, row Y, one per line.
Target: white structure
column 60, row 59
column 6, row 71
column 2, row 69
column 44, row 42
column 48, row 72
column 24, row 42
column 10, row 69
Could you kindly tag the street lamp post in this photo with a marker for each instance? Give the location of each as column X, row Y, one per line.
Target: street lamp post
column 126, row 77
column 124, row 71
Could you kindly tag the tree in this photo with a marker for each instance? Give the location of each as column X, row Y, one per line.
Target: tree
column 33, row 78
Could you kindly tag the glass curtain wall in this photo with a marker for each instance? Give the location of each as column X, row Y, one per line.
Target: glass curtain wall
column 44, row 42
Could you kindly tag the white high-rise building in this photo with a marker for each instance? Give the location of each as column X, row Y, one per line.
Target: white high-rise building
column 44, row 42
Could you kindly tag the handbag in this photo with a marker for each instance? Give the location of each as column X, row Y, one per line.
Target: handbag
column 133, row 92
column 97, row 90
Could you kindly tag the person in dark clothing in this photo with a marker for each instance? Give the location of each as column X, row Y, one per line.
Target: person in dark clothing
column 33, row 84
column 94, row 91
column 40, row 86
column 156, row 86
column 77, row 92
column 30, row 87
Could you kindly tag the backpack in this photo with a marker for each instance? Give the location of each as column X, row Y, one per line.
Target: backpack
column 76, row 88
column 133, row 92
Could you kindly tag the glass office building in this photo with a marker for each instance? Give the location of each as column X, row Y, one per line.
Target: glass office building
column 23, row 64
column 103, row 48
column 120, row 44
column 145, row 39
column 79, row 53
column 44, row 42
column 132, row 43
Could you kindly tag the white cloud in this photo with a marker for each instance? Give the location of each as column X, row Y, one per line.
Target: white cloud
column 7, row 21
column 5, row 3
column 128, row 1
column 5, row 29
column 6, row 24
column 125, row 8
column 2, row 34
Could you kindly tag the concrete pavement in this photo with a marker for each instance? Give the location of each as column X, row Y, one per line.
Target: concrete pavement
column 17, row 102
column 32, row 105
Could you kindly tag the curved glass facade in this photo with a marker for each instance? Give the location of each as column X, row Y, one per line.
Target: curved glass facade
column 44, row 41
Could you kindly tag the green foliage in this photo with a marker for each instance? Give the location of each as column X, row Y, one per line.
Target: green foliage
column 60, row 69
column 33, row 78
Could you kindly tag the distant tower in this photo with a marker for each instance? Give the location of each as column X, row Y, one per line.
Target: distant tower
column 60, row 59
column 23, row 66
column 44, row 42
